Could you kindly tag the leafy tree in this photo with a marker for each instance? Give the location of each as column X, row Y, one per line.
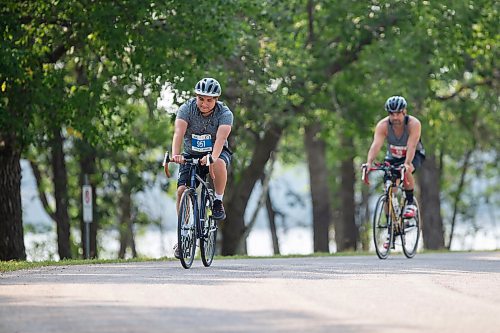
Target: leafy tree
column 111, row 45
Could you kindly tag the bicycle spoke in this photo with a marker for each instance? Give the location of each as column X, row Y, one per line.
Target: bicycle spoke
column 382, row 232
column 411, row 234
column 208, row 241
column 186, row 234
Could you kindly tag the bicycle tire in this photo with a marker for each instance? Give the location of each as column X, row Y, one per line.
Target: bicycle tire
column 209, row 236
column 186, row 229
column 382, row 229
column 411, row 234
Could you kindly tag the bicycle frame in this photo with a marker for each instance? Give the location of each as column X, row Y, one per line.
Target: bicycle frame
column 203, row 227
column 392, row 206
column 391, row 203
column 199, row 209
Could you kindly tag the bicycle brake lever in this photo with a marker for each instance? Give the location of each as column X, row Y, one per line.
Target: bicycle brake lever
column 210, row 160
column 166, row 160
column 364, row 176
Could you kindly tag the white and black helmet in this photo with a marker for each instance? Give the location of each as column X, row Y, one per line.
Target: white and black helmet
column 395, row 104
column 208, row 87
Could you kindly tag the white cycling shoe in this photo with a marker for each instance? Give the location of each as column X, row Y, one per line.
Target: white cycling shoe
column 410, row 211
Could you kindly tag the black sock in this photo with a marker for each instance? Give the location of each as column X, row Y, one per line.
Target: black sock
column 409, row 196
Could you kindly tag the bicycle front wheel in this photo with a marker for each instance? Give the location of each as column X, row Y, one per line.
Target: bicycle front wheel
column 411, row 234
column 186, row 230
column 209, row 237
column 382, row 228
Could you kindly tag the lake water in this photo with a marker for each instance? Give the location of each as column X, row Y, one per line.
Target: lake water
column 290, row 192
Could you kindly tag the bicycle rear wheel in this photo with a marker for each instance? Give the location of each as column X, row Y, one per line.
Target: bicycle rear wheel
column 411, row 234
column 382, row 229
column 209, row 237
column 186, row 230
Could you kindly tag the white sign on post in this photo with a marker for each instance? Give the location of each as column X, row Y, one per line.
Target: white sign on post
column 87, row 203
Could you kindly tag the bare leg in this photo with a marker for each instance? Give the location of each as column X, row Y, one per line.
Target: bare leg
column 180, row 190
column 409, row 184
column 220, row 172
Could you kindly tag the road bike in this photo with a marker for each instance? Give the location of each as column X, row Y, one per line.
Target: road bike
column 195, row 221
column 388, row 222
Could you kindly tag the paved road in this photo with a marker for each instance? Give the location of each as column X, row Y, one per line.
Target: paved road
column 457, row 292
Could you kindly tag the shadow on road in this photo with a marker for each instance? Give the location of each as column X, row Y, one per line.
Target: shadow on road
column 250, row 270
column 121, row 318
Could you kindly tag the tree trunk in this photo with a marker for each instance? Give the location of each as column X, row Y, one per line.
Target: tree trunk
column 61, row 196
column 238, row 194
column 432, row 222
column 88, row 156
column 271, row 215
column 265, row 180
column 346, row 232
column 126, row 224
column 458, row 194
column 11, row 223
column 320, row 191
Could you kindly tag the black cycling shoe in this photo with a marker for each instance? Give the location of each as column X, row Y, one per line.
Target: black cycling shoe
column 218, row 212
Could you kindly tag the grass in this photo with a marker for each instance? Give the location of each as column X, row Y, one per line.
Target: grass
column 8, row 266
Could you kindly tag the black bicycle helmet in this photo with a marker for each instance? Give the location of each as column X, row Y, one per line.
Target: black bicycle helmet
column 208, row 87
column 395, row 104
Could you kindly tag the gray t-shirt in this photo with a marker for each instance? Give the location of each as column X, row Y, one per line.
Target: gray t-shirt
column 201, row 131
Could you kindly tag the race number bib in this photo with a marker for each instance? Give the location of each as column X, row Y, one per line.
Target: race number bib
column 398, row 151
column 201, row 143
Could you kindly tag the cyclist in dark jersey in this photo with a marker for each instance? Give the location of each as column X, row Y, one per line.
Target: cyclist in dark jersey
column 202, row 126
column 402, row 133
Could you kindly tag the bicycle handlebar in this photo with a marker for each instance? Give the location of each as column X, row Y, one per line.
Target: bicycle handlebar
column 386, row 167
column 191, row 160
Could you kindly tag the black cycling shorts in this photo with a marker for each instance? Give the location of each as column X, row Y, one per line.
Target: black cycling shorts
column 418, row 159
column 226, row 156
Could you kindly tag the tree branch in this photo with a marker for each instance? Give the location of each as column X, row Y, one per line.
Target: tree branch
column 37, row 21
column 350, row 56
column 486, row 82
column 41, row 193
column 261, row 202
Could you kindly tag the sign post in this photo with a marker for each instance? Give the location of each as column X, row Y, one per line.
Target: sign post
column 87, row 214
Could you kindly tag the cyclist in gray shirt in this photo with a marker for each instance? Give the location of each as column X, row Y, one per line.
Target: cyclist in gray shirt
column 403, row 145
column 203, row 125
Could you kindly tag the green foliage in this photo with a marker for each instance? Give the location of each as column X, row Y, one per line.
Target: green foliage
column 88, row 68
column 96, row 69
column 79, row 58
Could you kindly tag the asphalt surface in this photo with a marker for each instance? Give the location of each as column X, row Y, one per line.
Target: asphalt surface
column 456, row 292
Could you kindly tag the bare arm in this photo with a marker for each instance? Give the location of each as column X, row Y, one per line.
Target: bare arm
column 221, row 137
column 414, row 128
column 180, row 128
column 378, row 141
